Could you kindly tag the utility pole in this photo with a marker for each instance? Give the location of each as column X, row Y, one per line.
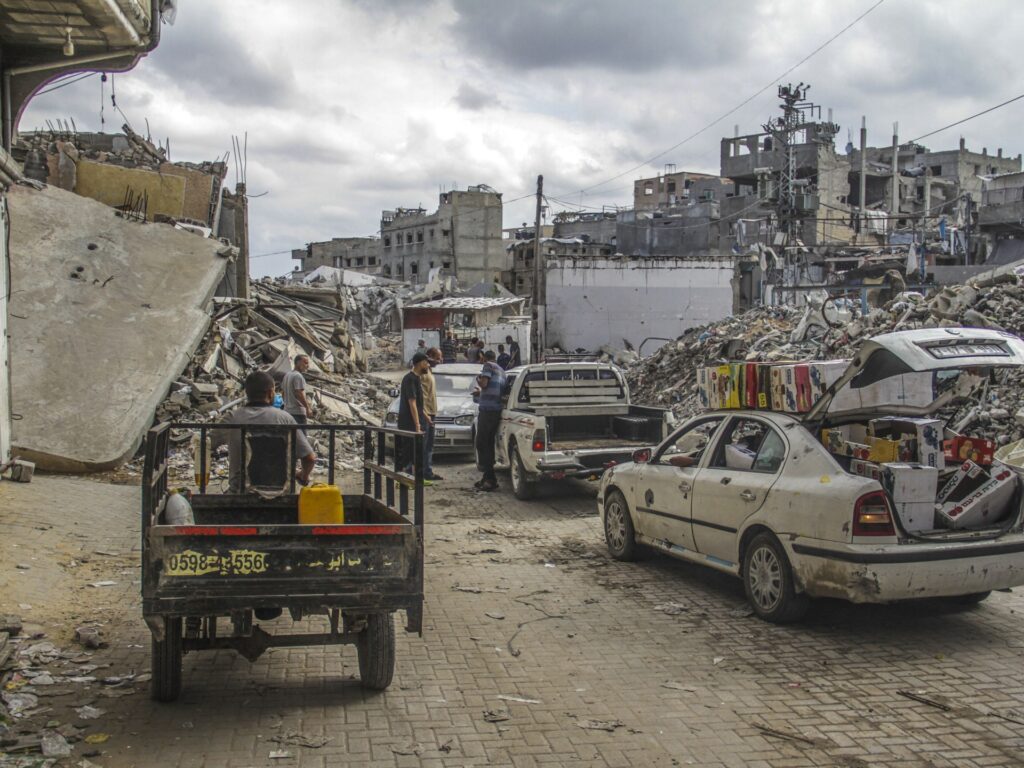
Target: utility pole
column 863, row 187
column 539, row 276
column 895, row 173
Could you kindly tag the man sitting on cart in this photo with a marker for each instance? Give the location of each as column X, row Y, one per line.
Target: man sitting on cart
column 259, row 409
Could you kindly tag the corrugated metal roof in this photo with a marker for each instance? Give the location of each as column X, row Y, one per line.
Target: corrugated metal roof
column 467, row 303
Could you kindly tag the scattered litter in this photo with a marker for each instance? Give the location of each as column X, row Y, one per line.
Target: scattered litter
column 783, row 734
column 518, row 699
column 600, row 725
column 102, row 583
column 89, row 713
column 44, row 678
column 472, row 590
column 925, row 700
column 19, row 703
column 550, row 565
column 495, row 615
column 496, row 715
column 23, row 566
column 718, row 660
column 297, row 739
column 678, row 686
column 54, row 745
column 742, row 612
column 671, row 609
column 188, row 725
column 89, row 637
column 280, row 754
column 415, row 749
column 446, row 747
column 107, row 552
column 97, row 738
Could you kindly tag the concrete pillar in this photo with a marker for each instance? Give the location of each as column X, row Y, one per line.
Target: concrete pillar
column 5, row 350
column 241, row 213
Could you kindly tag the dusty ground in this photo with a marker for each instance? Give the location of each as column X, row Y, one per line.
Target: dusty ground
column 528, row 620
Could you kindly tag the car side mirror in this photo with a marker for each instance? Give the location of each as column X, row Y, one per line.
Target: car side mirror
column 393, row 392
column 642, row 456
column 683, row 462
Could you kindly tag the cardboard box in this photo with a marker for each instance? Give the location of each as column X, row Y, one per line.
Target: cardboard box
column 964, row 448
column 706, row 388
column 985, row 505
column 912, row 489
column 967, row 477
column 823, row 375
column 926, row 433
column 778, row 387
column 764, row 387
column 866, row 469
column 882, row 450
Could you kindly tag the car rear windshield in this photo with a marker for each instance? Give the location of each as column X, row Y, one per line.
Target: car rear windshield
column 454, row 384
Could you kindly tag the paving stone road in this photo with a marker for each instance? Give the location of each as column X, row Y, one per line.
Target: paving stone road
column 527, row 618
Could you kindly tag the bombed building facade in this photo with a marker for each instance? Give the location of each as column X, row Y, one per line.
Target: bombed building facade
column 361, row 254
column 462, row 238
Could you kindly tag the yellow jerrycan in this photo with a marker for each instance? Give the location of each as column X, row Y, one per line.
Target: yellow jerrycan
column 321, row 504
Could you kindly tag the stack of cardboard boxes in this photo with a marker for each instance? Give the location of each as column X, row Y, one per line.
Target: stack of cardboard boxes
column 908, row 457
column 787, row 387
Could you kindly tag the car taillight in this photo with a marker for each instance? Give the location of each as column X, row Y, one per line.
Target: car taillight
column 872, row 516
column 540, row 442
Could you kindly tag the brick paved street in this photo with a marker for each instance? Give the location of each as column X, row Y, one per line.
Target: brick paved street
column 666, row 648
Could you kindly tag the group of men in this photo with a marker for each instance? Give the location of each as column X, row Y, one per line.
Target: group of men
column 506, row 357
column 416, row 412
column 418, row 406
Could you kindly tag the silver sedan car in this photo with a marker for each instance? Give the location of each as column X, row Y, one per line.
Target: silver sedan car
column 456, row 410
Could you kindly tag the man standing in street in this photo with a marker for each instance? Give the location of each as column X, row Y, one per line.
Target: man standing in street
column 449, row 349
column 430, row 411
column 293, row 388
column 514, row 353
column 491, row 381
column 410, row 411
column 504, row 358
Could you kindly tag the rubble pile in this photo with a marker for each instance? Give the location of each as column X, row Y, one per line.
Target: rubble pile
column 833, row 330
column 266, row 332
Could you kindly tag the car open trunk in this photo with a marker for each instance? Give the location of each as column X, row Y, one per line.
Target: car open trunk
column 879, row 420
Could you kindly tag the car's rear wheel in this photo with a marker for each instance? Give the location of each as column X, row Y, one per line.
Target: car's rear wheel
column 768, row 581
column 523, row 489
column 618, row 527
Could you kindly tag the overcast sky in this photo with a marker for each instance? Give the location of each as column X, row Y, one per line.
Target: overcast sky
column 356, row 106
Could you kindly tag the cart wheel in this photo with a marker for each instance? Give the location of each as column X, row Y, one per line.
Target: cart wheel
column 166, row 662
column 376, row 649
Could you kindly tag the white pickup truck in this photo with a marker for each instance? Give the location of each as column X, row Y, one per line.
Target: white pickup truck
column 571, row 420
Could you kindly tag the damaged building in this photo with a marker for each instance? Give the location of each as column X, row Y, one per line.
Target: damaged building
column 41, row 43
column 462, row 238
column 359, row 254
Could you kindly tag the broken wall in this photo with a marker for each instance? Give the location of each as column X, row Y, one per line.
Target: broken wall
column 174, row 191
column 105, row 314
column 598, row 301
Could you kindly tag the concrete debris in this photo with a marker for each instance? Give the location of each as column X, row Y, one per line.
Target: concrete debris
column 833, row 330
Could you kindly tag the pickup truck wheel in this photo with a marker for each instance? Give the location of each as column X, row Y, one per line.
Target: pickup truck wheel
column 618, row 528
column 376, row 650
column 166, row 663
column 523, row 489
column 768, row 582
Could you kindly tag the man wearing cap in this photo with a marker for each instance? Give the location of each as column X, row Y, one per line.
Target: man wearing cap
column 491, row 383
column 429, row 412
column 411, row 416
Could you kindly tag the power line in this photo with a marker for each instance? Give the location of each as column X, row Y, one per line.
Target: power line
column 739, row 106
column 961, row 122
column 65, row 83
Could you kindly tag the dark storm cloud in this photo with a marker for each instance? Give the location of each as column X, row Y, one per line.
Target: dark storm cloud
column 608, row 34
column 474, row 99
column 208, row 54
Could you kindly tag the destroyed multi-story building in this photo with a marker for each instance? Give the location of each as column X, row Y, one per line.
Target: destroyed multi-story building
column 519, row 279
column 673, row 188
column 462, row 238
column 1001, row 217
column 593, row 226
column 359, row 254
column 42, row 42
column 791, row 166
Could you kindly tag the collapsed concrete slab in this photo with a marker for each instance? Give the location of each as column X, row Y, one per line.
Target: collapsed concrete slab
column 105, row 314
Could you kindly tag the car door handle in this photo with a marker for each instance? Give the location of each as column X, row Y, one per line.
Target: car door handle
column 725, row 480
column 685, row 487
column 748, row 495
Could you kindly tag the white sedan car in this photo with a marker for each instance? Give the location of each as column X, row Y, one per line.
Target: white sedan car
column 756, row 494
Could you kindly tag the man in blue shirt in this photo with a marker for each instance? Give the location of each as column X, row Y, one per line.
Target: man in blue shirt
column 504, row 358
column 491, row 381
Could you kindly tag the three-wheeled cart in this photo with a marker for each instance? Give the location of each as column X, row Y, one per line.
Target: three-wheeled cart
column 203, row 583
